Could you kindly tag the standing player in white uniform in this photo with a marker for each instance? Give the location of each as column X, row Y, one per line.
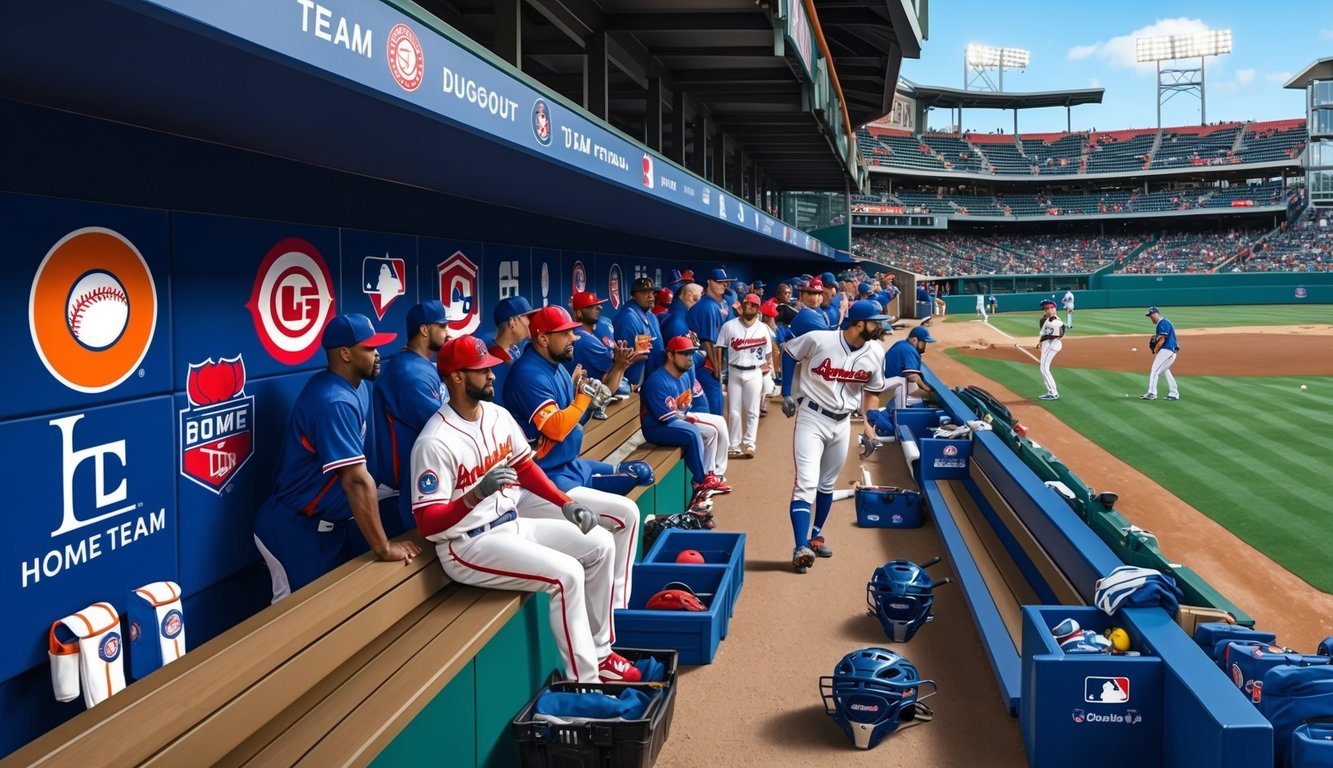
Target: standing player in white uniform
column 1068, row 302
column 839, row 371
column 475, row 487
column 749, row 345
column 1052, row 331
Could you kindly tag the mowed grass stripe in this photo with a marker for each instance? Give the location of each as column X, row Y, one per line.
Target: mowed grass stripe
column 1123, row 320
column 1245, row 452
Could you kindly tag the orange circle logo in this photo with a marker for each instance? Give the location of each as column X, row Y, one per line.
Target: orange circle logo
column 92, row 310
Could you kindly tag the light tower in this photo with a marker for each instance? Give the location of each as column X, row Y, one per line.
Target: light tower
column 978, row 60
column 1185, row 79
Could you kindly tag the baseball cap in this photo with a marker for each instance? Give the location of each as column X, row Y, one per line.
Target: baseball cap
column 863, row 288
column 642, row 284
column 863, row 310
column 751, row 298
column 465, row 353
column 681, row 276
column 769, row 308
column 510, row 308
column 811, row 286
column 585, row 299
column 1047, row 303
column 551, row 320
column 923, row 333
column 681, row 344
column 664, row 297
column 719, row 274
column 425, row 313
column 354, row 329
column 827, row 278
column 758, row 286
column 1153, row 311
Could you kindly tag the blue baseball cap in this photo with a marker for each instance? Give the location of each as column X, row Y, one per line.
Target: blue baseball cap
column 425, row 313
column 351, row 330
column 1153, row 311
column 828, row 278
column 863, row 310
column 921, row 332
column 719, row 274
column 1047, row 303
column 510, row 308
column 863, row 288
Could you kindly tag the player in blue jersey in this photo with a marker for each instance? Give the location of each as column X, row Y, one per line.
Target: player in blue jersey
column 1165, row 347
column 407, row 393
column 705, row 320
column 675, row 322
column 511, row 317
column 551, row 405
column 808, row 318
column 902, row 375
column 601, row 357
column 673, row 410
column 925, row 304
column 832, row 315
column 638, row 327
column 323, row 510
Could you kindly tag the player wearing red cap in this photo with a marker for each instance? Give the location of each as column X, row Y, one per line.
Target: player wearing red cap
column 748, row 346
column 673, row 411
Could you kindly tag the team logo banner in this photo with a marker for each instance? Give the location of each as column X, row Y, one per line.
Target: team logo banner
column 460, row 293
column 292, row 300
column 217, row 429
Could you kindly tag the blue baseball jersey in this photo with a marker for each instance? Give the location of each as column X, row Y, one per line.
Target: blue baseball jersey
column 1166, row 329
column 536, row 386
column 605, row 328
column 632, row 322
column 407, row 393
column 508, row 355
column 593, row 352
column 326, row 431
column 665, row 397
column 902, row 359
column 706, row 317
column 922, row 294
column 831, row 316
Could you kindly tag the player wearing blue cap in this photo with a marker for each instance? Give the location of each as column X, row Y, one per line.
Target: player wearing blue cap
column 1052, row 331
column 323, row 510
column 407, row 393
column 705, row 320
column 638, row 327
column 511, row 318
column 902, row 376
column 1164, row 347
column 832, row 313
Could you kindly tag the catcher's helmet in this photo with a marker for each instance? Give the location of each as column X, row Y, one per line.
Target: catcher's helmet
column 900, row 594
column 871, row 692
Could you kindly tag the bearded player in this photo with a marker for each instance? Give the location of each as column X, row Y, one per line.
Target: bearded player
column 495, row 518
column 839, row 371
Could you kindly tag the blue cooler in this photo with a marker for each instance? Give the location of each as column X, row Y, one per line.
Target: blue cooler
column 717, row 547
column 884, row 507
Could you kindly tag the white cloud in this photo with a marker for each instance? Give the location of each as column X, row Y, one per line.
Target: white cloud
column 1119, row 52
column 1326, row 34
column 1278, row 77
column 1244, row 76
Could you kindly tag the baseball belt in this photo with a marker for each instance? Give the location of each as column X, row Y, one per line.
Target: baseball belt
column 496, row 523
column 746, row 367
column 812, row 405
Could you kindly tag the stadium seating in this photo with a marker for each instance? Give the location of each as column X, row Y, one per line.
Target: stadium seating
column 1305, row 246
column 1277, row 140
column 1190, row 252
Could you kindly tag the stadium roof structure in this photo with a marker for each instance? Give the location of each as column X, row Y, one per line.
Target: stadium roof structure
column 931, row 96
column 1319, row 69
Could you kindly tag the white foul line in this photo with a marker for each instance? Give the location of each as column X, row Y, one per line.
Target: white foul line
column 1020, row 347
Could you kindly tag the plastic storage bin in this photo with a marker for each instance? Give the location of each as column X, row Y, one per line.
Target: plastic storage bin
column 596, row 743
column 694, row 634
column 888, row 508
column 718, row 548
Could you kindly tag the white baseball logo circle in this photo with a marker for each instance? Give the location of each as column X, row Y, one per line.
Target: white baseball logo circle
column 98, row 309
column 296, row 301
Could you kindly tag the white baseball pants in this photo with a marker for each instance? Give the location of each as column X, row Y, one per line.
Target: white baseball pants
column 1049, row 349
column 713, row 430
column 1161, row 365
column 819, row 445
column 744, row 391
column 551, row 556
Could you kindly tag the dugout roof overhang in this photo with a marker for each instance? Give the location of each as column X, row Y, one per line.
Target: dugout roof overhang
column 935, row 96
column 1319, row 69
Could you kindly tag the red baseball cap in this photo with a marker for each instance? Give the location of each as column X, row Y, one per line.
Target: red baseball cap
column 751, row 298
column 551, row 320
column 690, row 557
column 769, row 308
column 813, row 286
column 465, row 353
column 681, row 344
column 664, row 297
column 585, row 299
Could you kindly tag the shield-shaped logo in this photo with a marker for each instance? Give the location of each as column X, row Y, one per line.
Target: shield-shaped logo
column 460, row 293
column 382, row 282
column 613, row 286
column 217, row 428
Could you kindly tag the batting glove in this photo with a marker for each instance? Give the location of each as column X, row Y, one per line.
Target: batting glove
column 579, row 515
column 596, row 390
column 495, row 480
column 788, row 407
column 868, row 445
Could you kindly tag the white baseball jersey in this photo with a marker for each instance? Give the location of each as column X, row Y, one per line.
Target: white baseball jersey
column 452, row 454
column 747, row 345
column 1068, row 300
column 1051, row 326
column 833, row 374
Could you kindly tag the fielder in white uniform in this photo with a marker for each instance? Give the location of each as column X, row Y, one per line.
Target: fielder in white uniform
column 748, row 344
column 1052, row 331
column 838, row 372
column 475, row 491
column 1068, row 302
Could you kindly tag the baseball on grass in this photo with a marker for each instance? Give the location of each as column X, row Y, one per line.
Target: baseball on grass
column 1303, row 387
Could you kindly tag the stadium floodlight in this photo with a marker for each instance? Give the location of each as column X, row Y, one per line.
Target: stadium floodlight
column 1174, row 80
column 979, row 58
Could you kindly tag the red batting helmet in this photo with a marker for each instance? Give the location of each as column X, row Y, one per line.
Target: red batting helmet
column 689, row 557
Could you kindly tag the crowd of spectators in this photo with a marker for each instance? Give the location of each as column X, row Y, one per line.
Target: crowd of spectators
column 1190, row 252
column 1305, row 246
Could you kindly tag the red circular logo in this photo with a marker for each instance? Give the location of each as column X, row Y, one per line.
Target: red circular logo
column 292, row 300
column 407, row 62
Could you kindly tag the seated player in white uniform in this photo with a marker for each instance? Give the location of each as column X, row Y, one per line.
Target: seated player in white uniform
column 475, row 490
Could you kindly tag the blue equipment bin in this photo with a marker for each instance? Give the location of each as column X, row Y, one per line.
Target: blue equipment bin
column 888, row 508
column 693, row 634
column 718, row 548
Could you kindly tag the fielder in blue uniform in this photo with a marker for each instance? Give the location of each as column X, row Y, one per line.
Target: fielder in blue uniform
column 902, row 372
column 407, row 394
column 808, row 318
column 1165, row 347
column 705, row 320
column 511, row 317
column 637, row 326
column 323, row 510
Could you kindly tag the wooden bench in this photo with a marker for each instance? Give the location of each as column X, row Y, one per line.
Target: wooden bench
column 329, row 676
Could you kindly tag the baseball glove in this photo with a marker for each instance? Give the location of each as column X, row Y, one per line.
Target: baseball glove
column 1152, row 344
column 868, row 445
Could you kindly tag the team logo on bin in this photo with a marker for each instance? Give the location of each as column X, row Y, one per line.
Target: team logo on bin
column 407, row 62
column 92, row 310
column 292, row 300
column 109, row 649
column 172, row 624
column 541, row 122
column 217, row 427
column 1079, row 716
column 950, row 450
column 1106, row 690
column 460, row 293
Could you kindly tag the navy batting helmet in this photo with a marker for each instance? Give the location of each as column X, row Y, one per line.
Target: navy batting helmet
column 900, row 594
column 871, row 692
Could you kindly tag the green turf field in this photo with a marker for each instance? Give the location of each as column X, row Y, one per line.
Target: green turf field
column 1254, row 454
column 1092, row 322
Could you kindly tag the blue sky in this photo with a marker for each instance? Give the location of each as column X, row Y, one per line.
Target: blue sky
column 1089, row 45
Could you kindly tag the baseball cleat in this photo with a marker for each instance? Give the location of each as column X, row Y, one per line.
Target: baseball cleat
column 748, row 451
column 733, row 453
column 802, row 559
column 1049, row 396
column 1173, row 397
column 1149, row 396
column 618, row 669
column 820, row 548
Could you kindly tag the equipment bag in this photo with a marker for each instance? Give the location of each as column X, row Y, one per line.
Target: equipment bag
column 1312, row 744
column 1247, row 665
column 1210, row 634
column 1293, row 696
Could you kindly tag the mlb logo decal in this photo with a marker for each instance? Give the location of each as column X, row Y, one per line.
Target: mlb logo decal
column 217, row 429
column 460, row 293
column 382, row 280
column 1106, row 690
